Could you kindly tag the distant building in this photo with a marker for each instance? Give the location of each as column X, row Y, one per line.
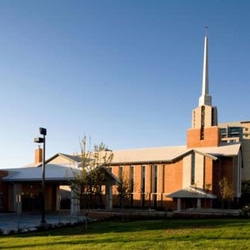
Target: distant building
column 233, row 132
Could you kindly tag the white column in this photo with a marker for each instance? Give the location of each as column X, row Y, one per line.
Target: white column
column 74, row 204
column 178, row 204
column 17, row 194
column 109, row 198
column 199, row 203
column 58, row 198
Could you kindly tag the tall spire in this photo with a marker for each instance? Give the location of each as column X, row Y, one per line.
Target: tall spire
column 205, row 98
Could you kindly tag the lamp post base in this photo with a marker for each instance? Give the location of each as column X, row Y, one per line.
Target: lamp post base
column 44, row 225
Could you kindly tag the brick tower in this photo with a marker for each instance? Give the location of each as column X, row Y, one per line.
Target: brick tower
column 204, row 131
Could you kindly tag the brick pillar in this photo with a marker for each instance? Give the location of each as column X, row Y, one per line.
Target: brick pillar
column 38, row 155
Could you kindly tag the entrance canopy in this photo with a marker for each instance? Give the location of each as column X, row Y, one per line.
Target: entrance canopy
column 191, row 192
column 53, row 173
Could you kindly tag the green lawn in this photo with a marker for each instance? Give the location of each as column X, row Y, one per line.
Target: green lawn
column 153, row 234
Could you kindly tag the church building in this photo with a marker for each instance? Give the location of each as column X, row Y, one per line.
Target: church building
column 169, row 178
column 187, row 176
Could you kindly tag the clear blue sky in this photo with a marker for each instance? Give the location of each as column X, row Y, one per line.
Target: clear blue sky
column 125, row 73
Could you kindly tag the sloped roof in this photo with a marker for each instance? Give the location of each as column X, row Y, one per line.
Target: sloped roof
column 223, row 150
column 191, row 192
column 171, row 154
column 52, row 173
column 74, row 158
column 63, row 171
column 159, row 154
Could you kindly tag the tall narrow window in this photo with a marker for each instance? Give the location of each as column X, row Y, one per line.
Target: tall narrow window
column 120, row 172
column 131, row 178
column 163, row 178
column 143, row 180
column 194, row 119
column 193, row 169
column 202, row 122
column 154, row 185
column 213, row 118
column 131, row 183
column 143, row 175
column 154, row 179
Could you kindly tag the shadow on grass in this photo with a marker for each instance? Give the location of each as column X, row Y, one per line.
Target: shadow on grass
column 104, row 227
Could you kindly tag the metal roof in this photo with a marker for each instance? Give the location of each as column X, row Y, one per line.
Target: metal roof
column 64, row 171
column 223, row 150
column 170, row 154
column 158, row 154
column 52, row 173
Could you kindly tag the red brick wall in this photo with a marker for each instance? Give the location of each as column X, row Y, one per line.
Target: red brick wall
column 169, row 180
column 211, row 137
column 38, row 155
column 173, row 176
column 208, row 171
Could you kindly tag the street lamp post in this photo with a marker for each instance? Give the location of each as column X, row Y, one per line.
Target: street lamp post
column 43, row 131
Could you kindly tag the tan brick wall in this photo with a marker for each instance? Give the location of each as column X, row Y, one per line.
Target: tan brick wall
column 199, row 170
column 186, row 173
column 210, row 117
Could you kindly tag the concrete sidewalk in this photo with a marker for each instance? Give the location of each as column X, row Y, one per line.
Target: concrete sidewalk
column 29, row 222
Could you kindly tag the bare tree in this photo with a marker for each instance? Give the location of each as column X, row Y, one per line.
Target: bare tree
column 87, row 183
column 207, row 188
column 124, row 190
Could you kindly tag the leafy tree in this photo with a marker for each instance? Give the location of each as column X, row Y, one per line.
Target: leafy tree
column 226, row 191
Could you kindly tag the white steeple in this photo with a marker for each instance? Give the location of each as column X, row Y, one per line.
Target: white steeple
column 205, row 98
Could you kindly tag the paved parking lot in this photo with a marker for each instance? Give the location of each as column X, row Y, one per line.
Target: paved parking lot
column 13, row 221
